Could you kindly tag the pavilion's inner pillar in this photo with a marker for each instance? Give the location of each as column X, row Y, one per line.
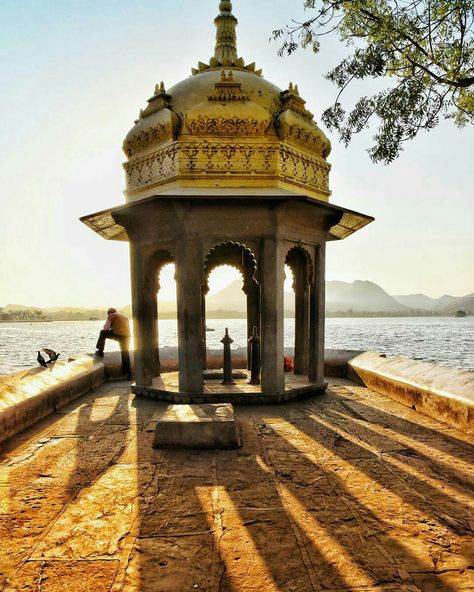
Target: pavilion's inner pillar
column 253, row 314
column 301, row 288
column 189, row 296
column 203, row 326
column 272, row 303
column 144, row 306
column 317, row 316
column 155, row 329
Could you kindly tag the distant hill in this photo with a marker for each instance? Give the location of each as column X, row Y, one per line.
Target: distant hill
column 360, row 296
column 422, row 302
column 445, row 305
column 465, row 303
column 233, row 298
column 167, row 307
column 229, row 298
column 14, row 307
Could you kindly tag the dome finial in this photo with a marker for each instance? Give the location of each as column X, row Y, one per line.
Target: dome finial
column 225, row 53
column 225, row 6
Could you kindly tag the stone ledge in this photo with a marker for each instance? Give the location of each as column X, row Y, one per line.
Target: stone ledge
column 447, row 394
column 29, row 396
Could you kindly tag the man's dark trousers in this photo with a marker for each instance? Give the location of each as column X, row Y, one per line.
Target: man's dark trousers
column 124, row 341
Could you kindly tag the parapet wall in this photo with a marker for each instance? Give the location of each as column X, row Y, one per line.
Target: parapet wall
column 27, row 397
column 447, row 394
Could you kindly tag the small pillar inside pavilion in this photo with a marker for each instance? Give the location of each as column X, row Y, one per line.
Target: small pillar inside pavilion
column 227, row 168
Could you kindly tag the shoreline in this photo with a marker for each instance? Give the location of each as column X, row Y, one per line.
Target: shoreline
column 243, row 317
column 27, row 321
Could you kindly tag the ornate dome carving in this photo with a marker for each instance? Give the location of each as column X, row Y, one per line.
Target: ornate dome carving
column 226, row 127
column 228, row 112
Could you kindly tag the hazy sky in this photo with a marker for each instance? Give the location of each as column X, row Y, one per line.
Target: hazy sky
column 75, row 74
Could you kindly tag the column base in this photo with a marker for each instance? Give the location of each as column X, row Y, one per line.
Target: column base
column 166, row 388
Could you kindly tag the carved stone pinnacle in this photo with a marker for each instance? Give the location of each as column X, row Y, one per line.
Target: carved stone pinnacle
column 225, row 6
column 225, row 53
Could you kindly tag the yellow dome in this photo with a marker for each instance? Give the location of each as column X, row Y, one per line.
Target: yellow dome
column 226, row 127
column 198, row 88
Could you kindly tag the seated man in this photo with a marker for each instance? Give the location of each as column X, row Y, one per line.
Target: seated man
column 117, row 328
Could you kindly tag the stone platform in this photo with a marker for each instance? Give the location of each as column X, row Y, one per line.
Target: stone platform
column 197, row 427
column 347, row 491
column 166, row 388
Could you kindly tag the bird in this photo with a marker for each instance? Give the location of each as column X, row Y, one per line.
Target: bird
column 41, row 360
column 53, row 356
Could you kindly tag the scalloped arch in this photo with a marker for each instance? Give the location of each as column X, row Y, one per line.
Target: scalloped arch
column 156, row 262
column 298, row 257
column 235, row 255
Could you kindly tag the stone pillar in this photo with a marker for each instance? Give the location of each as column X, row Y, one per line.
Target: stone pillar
column 253, row 315
column 144, row 316
column 301, row 319
column 155, row 336
column 272, row 352
column 317, row 317
column 189, row 280
column 203, row 326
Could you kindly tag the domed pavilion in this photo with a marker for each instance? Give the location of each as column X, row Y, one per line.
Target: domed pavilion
column 227, row 168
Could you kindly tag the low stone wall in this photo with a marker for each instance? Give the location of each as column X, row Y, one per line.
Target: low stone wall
column 446, row 394
column 28, row 396
column 335, row 360
column 168, row 361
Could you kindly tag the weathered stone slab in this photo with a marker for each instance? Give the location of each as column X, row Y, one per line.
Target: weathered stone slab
column 197, row 426
column 58, row 576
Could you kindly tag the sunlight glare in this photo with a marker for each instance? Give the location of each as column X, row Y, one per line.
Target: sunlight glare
column 221, row 277
column 167, row 282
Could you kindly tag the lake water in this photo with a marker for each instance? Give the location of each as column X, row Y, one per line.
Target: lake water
column 445, row 340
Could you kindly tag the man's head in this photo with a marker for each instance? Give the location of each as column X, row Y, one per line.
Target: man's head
column 111, row 311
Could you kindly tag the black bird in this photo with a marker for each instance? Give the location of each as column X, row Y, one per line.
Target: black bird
column 41, row 360
column 53, row 356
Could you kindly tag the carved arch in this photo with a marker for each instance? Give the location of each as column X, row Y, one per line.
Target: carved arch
column 298, row 259
column 155, row 263
column 236, row 255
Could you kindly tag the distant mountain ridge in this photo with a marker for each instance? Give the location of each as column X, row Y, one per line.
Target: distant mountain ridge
column 423, row 302
column 358, row 297
column 464, row 303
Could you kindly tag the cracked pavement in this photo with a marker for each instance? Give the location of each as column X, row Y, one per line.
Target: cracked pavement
column 344, row 491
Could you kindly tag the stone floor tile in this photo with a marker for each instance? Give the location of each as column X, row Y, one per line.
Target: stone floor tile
column 30, row 513
column 461, row 581
column 99, row 520
column 39, row 458
column 172, row 507
column 261, row 551
column 171, row 564
column 62, row 576
column 192, row 463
